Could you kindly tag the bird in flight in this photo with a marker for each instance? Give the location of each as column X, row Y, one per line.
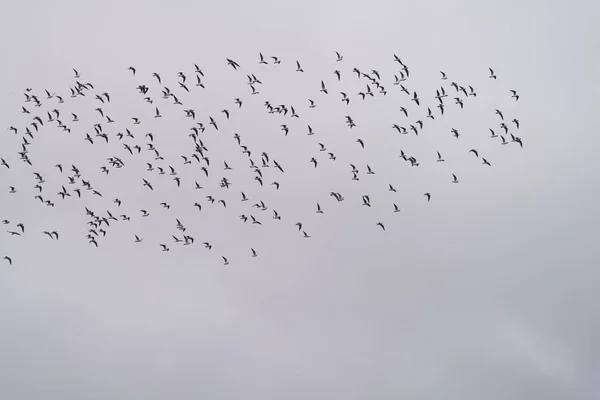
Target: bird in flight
column 233, row 64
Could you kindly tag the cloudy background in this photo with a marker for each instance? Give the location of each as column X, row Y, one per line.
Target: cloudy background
column 489, row 291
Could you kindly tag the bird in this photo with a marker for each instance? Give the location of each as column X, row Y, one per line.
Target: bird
column 440, row 159
column 492, row 75
column 323, row 88
column 319, row 211
column 454, row 179
column 428, row 195
column 416, row 98
column 7, row 258
column 514, row 95
column 233, row 64
column 262, row 59
column 381, row 225
column 146, row 183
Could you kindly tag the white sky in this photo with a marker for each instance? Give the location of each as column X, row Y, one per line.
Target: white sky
column 488, row 291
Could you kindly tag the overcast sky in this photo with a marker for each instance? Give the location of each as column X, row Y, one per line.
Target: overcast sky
column 488, row 291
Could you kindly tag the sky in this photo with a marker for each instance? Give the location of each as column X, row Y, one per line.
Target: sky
column 488, row 291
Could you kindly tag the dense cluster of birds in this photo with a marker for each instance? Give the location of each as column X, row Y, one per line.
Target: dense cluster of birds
column 46, row 112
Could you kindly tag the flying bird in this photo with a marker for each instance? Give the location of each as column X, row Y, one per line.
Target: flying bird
column 233, row 64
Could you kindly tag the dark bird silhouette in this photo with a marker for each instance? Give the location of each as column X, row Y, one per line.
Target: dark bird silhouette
column 233, row 64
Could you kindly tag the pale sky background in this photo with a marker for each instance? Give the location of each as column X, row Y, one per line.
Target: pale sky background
column 490, row 291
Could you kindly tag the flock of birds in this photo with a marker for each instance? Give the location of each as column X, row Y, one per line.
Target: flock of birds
column 46, row 112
